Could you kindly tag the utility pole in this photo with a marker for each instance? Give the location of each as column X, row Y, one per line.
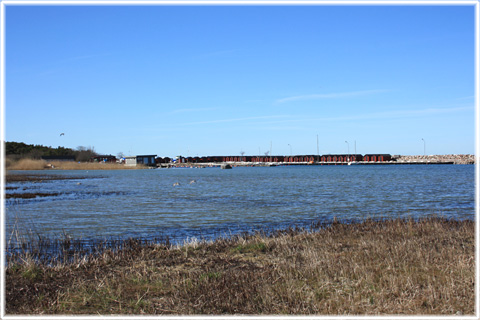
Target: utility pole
column 318, row 152
column 270, row 151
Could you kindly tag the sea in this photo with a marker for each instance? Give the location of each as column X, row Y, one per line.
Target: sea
column 193, row 203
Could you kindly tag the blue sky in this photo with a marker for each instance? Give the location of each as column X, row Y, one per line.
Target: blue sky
column 219, row 80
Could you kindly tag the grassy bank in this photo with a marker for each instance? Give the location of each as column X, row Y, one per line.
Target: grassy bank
column 29, row 164
column 386, row 267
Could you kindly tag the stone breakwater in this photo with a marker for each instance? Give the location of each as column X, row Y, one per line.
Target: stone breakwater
column 447, row 158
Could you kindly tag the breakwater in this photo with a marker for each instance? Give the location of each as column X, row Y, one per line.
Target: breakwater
column 395, row 160
column 440, row 159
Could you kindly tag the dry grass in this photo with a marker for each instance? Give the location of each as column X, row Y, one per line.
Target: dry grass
column 386, row 267
column 28, row 164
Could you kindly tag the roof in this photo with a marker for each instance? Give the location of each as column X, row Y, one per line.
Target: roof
column 104, row 156
column 57, row 157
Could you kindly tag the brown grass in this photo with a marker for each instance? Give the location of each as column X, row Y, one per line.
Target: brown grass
column 386, row 267
column 28, row 164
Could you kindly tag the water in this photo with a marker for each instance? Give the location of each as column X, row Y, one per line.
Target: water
column 144, row 203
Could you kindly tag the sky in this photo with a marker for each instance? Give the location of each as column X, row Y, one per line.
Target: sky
column 222, row 80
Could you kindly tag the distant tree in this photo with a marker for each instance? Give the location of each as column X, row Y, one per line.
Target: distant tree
column 120, row 155
column 35, row 154
column 84, row 154
column 22, row 150
column 18, row 148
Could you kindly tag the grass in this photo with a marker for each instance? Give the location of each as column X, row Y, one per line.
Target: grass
column 374, row 267
column 29, row 164
column 25, row 164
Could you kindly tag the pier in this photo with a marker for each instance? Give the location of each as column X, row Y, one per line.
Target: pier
column 321, row 161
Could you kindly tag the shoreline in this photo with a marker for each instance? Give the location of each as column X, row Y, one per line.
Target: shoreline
column 26, row 164
column 336, row 269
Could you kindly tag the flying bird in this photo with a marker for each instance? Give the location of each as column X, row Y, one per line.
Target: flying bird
column 62, row 134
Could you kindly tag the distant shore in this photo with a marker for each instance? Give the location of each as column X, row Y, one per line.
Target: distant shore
column 28, row 164
column 396, row 160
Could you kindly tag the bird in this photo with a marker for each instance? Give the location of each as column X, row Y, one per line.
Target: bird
column 62, row 134
column 176, row 184
column 193, row 181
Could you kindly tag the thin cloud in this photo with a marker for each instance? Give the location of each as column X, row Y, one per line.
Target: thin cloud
column 409, row 113
column 397, row 114
column 328, row 95
column 237, row 119
column 57, row 65
column 188, row 110
column 216, row 53
column 90, row 56
column 466, row 98
column 276, row 120
column 257, row 100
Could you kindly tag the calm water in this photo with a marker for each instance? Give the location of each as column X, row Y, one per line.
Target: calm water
column 144, row 203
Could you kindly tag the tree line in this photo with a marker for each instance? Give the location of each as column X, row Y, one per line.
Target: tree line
column 20, row 150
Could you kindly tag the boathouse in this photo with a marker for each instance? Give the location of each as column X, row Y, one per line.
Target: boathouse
column 148, row 160
column 163, row 160
column 104, row 158
column 131, row 161
column 377, row 157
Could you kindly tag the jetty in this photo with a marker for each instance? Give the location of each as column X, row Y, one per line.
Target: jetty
column 266, row 162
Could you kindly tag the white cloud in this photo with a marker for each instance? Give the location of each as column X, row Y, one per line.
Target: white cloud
column 216, row 53
column 238, row 119
column 275, row 120
column 407, row 113
column 396, row 114
column 328, row 95
column 187, row 110
column 466, row 98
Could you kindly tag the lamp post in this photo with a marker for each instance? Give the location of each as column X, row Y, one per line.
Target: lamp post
column 424, row 144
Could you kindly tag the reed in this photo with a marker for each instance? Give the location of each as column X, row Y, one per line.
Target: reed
column 29, row 164
column 68, row 165
column 25, row 164
column 369, row 268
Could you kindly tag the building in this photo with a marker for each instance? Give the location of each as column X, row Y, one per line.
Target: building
column 104, row 158
column 131, row 161
column 377, row 157
column 148, row 160
column 163, row 160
